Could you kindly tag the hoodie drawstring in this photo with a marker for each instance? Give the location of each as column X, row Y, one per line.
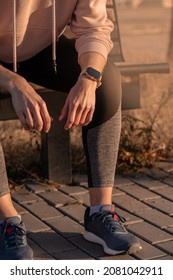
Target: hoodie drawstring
column 54, row 37
column 14, row 38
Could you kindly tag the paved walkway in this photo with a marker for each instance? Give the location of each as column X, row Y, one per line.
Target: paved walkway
column 54, row 213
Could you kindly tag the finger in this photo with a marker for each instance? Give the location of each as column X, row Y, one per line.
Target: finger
column 23, row 121
column 83, row 117
column 89, row 117
column 79, row 113
column 38, row 121
column 64, row 111
column 71, row 117
column 45, row 117
column 29, row 119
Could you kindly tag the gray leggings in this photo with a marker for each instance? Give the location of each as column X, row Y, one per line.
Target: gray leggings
column 101, row 136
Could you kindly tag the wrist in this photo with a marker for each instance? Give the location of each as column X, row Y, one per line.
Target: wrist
column 92, row 74
column 7, row 78
column 88, row 81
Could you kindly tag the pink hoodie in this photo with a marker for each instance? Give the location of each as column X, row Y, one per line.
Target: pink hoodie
column 32, row 26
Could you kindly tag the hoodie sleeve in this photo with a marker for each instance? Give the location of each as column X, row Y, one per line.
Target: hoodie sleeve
column 91, row 27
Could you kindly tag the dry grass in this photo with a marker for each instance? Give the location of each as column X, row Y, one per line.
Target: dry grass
column 21, row 150
column 147, row 134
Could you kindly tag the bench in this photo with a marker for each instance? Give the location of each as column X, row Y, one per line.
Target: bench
column 130, row 72
column 56, row 144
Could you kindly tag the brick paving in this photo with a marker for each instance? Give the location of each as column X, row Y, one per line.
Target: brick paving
column 53, row 215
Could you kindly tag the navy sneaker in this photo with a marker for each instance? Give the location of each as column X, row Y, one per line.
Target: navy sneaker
column 106, row 229
column 13, row 243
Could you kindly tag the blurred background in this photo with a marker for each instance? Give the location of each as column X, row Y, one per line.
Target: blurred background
column 146, row 30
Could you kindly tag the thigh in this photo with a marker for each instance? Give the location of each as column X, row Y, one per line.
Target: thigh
column 108, row 96
column 39, row 69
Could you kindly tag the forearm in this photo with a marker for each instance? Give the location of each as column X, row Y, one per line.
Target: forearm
column 92, row 59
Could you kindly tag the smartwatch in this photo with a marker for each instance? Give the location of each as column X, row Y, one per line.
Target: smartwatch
column 93, row 75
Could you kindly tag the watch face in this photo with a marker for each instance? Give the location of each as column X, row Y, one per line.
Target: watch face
column 94, row 73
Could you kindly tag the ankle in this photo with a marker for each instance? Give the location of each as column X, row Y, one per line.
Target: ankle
column 100, row 196
column 6, row 207
column 8, row 213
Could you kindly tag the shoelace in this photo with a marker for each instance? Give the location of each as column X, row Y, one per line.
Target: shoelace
column 113, row 221
column 12, row 235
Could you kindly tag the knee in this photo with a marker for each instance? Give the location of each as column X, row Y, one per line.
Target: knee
column 112, row 84
column 109, row 95
column 112, row 76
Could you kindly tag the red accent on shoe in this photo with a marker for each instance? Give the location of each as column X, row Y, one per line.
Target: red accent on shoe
column 9, row 230
column 115, row 217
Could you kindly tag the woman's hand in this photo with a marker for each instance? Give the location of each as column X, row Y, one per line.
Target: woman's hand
column 29, row 106
column 80, row 103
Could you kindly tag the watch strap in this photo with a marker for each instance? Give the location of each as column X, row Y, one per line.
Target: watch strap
column 92, row 74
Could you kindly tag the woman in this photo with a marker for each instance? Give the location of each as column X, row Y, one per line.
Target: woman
column 33, row 50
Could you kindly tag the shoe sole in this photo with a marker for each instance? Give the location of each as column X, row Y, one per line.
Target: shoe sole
column 134, row 248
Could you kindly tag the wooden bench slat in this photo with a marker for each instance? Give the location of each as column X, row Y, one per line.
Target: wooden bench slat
column 130, row 69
